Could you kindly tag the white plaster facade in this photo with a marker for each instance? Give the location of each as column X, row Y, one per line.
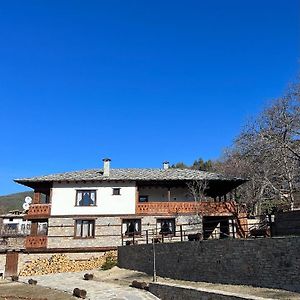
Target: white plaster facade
column 64, row 198
column 160, row 194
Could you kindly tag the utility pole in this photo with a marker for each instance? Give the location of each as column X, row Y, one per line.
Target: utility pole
column 154, row 258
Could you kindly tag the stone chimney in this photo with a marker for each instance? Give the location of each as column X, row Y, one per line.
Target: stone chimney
column 106, row 166
column 166, row 165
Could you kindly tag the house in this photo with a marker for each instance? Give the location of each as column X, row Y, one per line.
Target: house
column 13, row 224
column 100, row 209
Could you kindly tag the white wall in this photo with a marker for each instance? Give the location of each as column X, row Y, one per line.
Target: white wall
column 160, row 194
column 63, row 199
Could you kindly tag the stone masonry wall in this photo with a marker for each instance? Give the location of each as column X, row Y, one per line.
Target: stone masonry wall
column 12, row 243
column 287, row 223
column 174, row 292
column 269, row 262
column 2, row 262
column 108, row 230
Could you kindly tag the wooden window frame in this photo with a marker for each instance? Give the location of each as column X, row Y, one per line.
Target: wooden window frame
column 159, row 221
column 116, row 189
column 138, row 233
column 83, row 191
column 81, row 237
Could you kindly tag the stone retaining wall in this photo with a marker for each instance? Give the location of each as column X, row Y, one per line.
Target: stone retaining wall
column 287, row 223
column 269, row 262
column 174, row 292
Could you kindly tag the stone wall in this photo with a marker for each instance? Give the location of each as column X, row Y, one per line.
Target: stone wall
column 2, row 262
column 269, row 262
column 287, row 223
column 108, row 230
column 176, row 292
column 12, row 243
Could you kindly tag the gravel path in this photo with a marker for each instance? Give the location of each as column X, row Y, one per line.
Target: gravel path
column 96, row 290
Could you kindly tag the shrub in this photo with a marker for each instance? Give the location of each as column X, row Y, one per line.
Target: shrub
column 110, row 262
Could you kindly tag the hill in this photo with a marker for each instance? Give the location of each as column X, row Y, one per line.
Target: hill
column 13, row 201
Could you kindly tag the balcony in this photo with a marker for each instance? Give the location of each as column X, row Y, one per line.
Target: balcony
column 203, row 208
column 36, row 242
column 39, row 211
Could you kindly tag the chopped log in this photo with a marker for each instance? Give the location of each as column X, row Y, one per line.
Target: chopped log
column 139, row 285
column 32, row 281
column 79, row 293
column 58, row 263
column 88, row 276
column 14, row 278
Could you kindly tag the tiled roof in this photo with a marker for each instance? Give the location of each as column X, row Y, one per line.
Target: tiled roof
column 130, row 175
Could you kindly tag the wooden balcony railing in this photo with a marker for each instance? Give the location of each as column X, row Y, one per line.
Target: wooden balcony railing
column 204, row 208
column 38, row 211
column 36, row 242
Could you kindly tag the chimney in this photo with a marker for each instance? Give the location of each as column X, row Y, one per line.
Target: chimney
column 106, row 166
column 166, row 165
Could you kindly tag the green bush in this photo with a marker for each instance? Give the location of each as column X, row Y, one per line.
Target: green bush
column 109, row 263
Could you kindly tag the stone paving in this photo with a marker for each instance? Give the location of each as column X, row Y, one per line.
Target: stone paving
column 96, row 290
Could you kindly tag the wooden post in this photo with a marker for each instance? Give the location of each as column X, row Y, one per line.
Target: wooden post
column 136, row 199
column 233, row 228
column 147, row 237
column 181, row 237
column 169, row 194
column 37, row 198
column 271, row 225
column 122, row 239
column 34, row 228
column 169, row 198
column 133, row 239
column 162, row 237
column 11, row 265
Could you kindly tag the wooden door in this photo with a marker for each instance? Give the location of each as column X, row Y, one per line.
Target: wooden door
column 11, row 266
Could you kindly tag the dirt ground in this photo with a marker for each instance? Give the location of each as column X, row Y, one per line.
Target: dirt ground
column 19, row 291
column 125, row 277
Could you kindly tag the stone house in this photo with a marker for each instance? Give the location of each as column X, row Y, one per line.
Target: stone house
column 100, row 209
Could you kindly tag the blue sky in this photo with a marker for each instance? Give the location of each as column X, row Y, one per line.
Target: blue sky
column 138, row 81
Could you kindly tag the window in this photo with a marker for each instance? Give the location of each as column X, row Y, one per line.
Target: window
column 116, row 191
column 131, row 227
column 143, row 198
column 85, row 198
column 85, row 228
column 167, row 226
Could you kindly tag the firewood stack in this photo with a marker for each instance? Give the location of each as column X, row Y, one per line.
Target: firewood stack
column 59, row 263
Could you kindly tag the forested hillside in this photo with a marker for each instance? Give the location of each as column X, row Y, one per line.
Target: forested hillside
column 13, row 201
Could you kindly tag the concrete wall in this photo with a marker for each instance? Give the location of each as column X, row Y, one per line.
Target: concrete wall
column 273, row 263
column 64, row 197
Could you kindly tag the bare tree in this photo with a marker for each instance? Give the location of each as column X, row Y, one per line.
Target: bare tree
column 267, row 152
column 197, row 189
